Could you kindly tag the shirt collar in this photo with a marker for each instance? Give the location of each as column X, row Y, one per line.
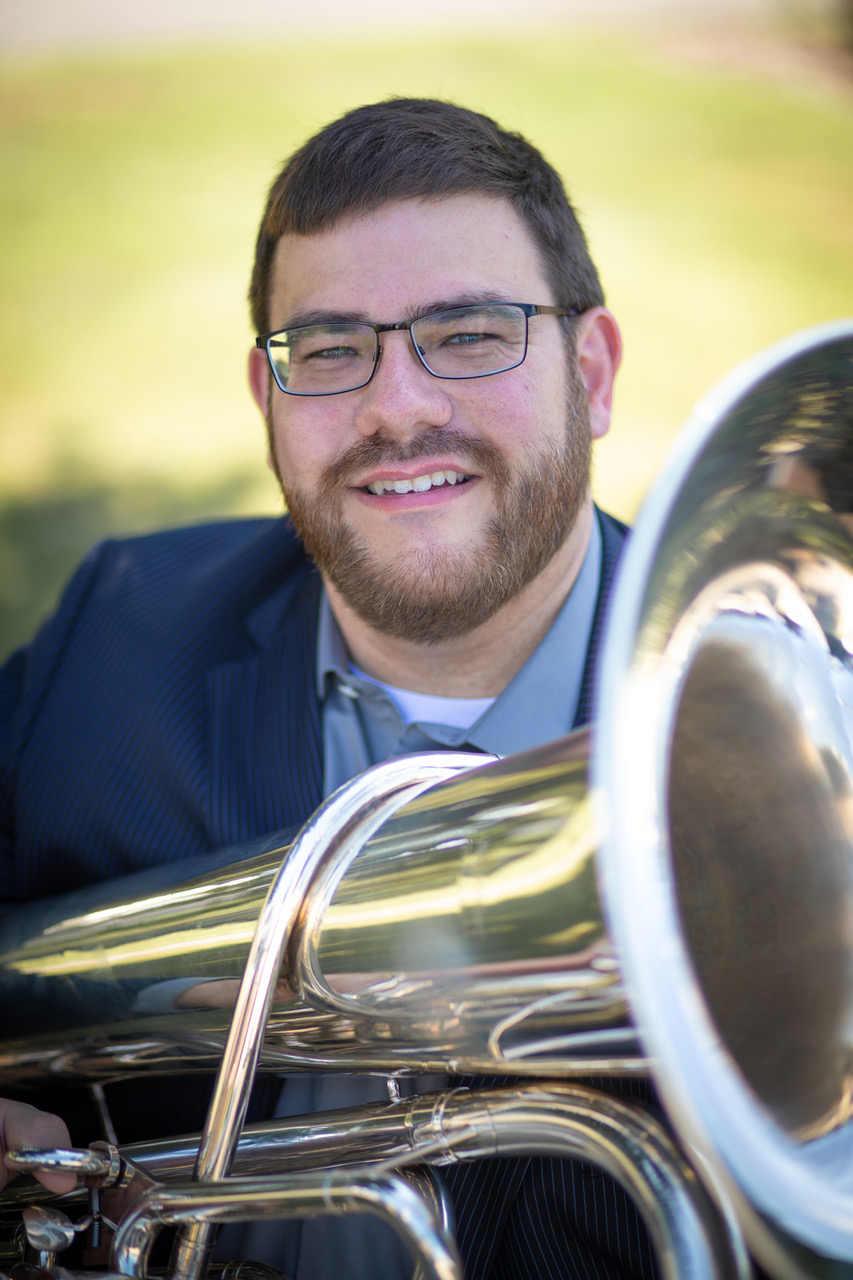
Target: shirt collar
column 540, row 701
column 332, row 657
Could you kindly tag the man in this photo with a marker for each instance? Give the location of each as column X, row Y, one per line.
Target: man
column 434, row 359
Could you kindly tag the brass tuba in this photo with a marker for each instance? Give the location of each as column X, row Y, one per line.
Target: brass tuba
column 673, row 892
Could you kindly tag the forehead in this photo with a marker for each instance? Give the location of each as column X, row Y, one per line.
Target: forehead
column 408, row 254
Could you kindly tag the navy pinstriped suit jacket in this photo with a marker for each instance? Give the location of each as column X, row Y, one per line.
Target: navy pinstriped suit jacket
column 169, row 709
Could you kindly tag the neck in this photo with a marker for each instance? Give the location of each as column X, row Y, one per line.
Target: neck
column 481, row 663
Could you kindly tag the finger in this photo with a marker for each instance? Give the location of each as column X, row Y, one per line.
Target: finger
column 26, row 1126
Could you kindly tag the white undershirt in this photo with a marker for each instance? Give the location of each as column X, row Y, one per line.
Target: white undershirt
column 430, row 708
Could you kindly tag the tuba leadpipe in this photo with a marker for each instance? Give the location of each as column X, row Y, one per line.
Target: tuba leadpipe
column 465, row 934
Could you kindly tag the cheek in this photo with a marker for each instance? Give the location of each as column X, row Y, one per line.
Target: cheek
column 526, row 414
column 548, row 407
column 303, row 442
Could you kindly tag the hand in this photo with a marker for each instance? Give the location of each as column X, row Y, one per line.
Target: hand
column 24, row 1126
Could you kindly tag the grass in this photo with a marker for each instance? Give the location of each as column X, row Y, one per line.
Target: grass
column 718, row 208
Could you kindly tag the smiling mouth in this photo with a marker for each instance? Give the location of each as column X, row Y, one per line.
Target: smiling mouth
column 420, row 484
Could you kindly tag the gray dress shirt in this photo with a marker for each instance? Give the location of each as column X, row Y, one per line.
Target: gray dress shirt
column 361, row 727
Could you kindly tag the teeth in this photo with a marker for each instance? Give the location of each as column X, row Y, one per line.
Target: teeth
column 420, row 484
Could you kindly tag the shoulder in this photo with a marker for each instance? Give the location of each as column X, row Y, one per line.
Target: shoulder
column 201, row 554
column 196, row 574
column 613, row 531
column 613, row 537
column 181, row 597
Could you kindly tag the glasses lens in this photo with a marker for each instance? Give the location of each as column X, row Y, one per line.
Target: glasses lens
column 467, row 342
column 321, row 359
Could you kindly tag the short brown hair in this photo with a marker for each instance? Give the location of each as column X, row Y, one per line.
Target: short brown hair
column 411, row 148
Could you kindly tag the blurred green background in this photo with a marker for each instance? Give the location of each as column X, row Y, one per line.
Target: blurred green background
column 716, row 188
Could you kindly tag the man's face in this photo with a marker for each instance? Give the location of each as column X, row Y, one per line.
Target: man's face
column 428, row 564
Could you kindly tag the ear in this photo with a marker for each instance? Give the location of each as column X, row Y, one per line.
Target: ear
column 599, row 354
column 259, row 381
column 259, row 378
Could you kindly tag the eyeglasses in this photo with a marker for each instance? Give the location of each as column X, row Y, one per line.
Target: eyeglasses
column 327, row 359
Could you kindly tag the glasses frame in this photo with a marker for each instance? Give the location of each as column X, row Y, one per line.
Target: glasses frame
column 264, row 340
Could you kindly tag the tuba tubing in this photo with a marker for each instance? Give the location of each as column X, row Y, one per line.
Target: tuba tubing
column 691, row 1235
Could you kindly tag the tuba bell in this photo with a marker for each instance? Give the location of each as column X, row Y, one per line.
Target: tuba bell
column 671, row 893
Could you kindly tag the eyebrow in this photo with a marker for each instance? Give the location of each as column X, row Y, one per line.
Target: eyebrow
column 470, row 298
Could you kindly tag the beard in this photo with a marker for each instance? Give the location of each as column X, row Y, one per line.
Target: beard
column 432, row 594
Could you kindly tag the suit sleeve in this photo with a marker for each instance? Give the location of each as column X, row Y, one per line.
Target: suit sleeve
column 25, row 682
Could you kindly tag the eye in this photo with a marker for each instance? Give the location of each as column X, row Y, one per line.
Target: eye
column 470, row 330
column 329, row 353
column 328, row 344
column 469, row 339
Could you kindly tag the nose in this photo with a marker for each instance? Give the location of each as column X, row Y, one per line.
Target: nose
column 402, row 398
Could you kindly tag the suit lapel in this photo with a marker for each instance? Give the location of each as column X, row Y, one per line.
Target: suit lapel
column 265, row 747
column 613, row 536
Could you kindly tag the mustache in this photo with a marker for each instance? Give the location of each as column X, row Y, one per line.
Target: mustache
column 379, row 450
